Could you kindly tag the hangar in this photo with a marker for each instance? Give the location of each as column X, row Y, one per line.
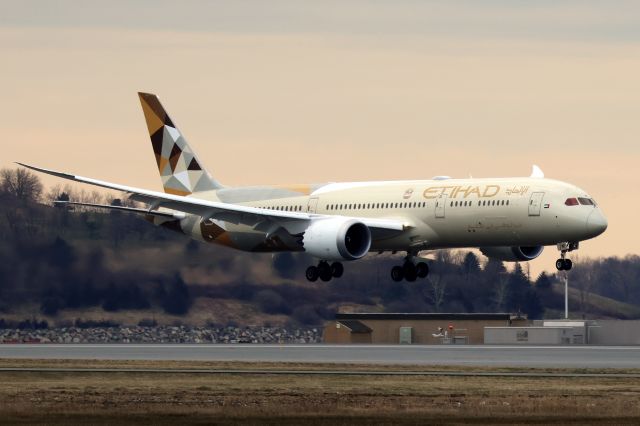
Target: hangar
column 416, row 328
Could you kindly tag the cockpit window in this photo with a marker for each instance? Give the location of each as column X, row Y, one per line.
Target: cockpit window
column 586, row 201
column 571, row 202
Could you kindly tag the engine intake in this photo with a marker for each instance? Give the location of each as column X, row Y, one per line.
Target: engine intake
column 337, row 239
column 512, row 254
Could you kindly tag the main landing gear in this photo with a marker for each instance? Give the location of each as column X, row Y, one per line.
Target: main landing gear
column 409, row 271
column 324, row 271
column 564, row 264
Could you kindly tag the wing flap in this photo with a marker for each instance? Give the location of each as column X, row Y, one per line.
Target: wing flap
column 172, row 215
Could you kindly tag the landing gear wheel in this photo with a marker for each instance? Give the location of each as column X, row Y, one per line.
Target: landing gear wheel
column 560, row 264
column 397, row 273
column 410, row 272
column 422, row 269
column 312, row 273
column 337, row 269
column 568, row 264
column 324, row 270
column 564, row 264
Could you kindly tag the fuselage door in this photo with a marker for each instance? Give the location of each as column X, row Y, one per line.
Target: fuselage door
column 535, row 202
column 441, row 202
column 312, row 205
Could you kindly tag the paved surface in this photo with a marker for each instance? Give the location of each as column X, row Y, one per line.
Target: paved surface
column 278, row 372
column 492, row 356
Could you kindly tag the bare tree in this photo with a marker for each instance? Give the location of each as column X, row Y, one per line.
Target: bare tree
column 437, row 291
column 501, row 292
column 21, row 183
column 52, row 194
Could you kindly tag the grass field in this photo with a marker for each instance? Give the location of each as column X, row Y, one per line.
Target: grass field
column 292, row 399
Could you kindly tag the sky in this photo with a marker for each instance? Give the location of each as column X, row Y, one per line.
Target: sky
column 301, row 91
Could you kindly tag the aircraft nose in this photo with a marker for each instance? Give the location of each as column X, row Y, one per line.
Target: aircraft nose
column 596, row 223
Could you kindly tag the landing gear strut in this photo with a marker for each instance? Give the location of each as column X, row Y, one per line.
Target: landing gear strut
column 409, row 270
column 564, row 264
column 324, row 271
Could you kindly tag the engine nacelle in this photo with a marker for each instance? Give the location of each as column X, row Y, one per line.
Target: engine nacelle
column 337, row 239
column 512, row 254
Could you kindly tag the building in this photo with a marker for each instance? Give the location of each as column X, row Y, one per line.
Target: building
column 418, row 328
column 567, row 332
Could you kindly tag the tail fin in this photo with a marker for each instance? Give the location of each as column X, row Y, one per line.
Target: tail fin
column 180, row 169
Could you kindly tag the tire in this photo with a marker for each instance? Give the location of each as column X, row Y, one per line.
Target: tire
column 337, row 269
column 312, row 273
column 324, row 270
column 560, row 264
column 410, row 271
column 397, row 274
column 422, row 269
column 568, row 264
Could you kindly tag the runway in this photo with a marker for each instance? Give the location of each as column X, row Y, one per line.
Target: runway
column 624, row 357
column 302, row 372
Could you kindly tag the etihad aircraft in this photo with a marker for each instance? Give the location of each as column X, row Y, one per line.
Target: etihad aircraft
column 509, row 219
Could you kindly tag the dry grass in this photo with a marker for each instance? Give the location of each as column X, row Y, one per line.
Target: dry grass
column 133, row 398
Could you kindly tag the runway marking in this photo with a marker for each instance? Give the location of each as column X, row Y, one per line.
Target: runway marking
column 313, row 372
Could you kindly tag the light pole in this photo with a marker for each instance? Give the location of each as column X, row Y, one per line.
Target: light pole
column 566, row 294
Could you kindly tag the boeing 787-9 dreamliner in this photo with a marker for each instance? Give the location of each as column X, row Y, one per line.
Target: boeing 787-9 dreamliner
column 509, row 219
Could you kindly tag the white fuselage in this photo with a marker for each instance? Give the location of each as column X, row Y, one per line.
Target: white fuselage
column 448, row 213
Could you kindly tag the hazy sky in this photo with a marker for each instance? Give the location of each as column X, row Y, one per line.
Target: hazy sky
column 294, row 91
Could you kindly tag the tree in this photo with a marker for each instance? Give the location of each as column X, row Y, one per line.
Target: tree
column 543, row 282
column 50, row 306
column 271, row 302
column 437, row 291
column 61, row 254
column 471, row 264
column 307, row 315
column 517, row 289
column 284, row 264
column 20, row 183
column 177, row 300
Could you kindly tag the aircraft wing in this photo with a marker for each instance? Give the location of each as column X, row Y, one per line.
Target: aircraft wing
column 233, row 213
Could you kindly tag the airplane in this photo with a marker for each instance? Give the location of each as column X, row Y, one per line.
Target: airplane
column 508, row 219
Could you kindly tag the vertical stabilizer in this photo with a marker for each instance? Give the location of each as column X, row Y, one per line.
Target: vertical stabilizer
column 180, row 170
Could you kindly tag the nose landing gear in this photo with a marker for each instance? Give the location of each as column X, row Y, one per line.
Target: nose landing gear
column 564, row 264
column 324, row 271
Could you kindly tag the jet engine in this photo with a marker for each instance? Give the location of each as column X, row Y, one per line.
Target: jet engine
column 337, row 239
column 512, row 254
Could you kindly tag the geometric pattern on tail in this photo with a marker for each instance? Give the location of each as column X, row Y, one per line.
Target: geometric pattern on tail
column 179, row 168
